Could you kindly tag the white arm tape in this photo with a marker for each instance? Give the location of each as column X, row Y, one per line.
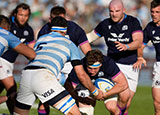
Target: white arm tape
column 92, row 36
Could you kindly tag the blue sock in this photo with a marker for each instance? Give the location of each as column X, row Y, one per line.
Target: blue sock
column 41, row 112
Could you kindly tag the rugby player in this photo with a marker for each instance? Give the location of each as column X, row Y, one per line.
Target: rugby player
column 123, row 36
column 20, row 28
column 75, row 33
column 152, row 32
column 97, row 66
column 8, row 40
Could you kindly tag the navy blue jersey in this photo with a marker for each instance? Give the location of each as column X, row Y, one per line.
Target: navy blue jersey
column 152, row 32
column 25, row 34
column 121, row 32
column 75, row 33
column 108, row 70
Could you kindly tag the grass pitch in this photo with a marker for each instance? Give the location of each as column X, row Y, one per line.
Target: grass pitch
column 142, row 104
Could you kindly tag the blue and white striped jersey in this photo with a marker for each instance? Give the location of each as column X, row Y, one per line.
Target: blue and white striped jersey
column 53, row 50
column 7, row 40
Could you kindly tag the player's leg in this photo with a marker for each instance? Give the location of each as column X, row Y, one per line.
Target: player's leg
column 11, row 88
column 156, row 87
column 111, row 105
column 43, row 109
column 8, row 82
column 123, row 99
column 25, row 96
column 132, row 78
column 156, row 99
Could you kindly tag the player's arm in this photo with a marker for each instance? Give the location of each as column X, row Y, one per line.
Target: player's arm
column 85, row 47
column 92, row 36
column 140, row 59
column 135, row 44
column 31, row 44
column 85, row 80
column 25, row 50
column 121, row 84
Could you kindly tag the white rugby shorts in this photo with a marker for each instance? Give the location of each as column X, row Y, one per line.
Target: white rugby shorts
column 156, row 75
column 131, row 75
column 6, row 68
column 39, row 82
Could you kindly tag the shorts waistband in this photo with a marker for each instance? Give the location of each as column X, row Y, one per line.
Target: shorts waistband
column 33, row 67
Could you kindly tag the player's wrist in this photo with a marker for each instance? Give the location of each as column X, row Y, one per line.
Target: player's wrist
column 127, row 46
column 95, row 92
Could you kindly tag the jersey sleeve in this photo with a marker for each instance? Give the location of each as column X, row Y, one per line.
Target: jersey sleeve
column 146, row 37
column 111, row 68
column 76, row 34
column 13, row 41
column 30, row 38
column 99, row 28
column 135, row 25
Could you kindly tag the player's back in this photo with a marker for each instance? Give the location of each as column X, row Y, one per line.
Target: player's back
column 52, row 51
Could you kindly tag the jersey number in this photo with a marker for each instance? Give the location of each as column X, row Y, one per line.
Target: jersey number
column 40, row 46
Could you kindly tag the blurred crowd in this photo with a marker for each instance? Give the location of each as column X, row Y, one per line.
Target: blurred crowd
column 86, row 13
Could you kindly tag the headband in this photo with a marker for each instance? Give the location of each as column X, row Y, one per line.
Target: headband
column 57, row 28
column 95, row 65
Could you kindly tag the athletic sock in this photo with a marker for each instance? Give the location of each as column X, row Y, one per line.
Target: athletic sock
column 122, row 110
column 125, row 113
column 41, row 112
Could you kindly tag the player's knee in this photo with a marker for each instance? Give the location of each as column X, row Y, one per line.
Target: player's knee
column 112, row 108
column 87, row 110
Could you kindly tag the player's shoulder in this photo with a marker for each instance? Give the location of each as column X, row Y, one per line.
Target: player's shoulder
column 131, row 18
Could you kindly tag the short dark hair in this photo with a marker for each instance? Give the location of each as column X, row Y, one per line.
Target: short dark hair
column 94, row 56
column 23, row 6
column 56, row 11
column 59, row 21
column 155, row 3
column 4, row 21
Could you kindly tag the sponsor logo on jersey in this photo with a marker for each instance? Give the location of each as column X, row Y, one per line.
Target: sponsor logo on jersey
column 125, row 27
column 153, row 31
column 14, row 31
column 118, row 38
column 157, row 40
column 23, row 39
column 26, row 33
column 100, row 74
column 109, row 27
column 48, row 93
column 157, row 82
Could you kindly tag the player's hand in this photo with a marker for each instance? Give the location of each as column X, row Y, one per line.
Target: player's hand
column 120, row 46
column 100, row 95
column 3, row 99
column 138, row 64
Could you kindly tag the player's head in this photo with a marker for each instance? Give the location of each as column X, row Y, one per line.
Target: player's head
column 21, row 14
column 59, row 24
column 4, row 22
column 57, row 11
column 116, row 10
column 94, row 59
column 155, row 11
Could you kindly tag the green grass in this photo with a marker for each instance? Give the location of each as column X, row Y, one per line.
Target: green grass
column 142, row 104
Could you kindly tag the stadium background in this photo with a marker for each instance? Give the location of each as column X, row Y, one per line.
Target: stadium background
column 86, row 13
